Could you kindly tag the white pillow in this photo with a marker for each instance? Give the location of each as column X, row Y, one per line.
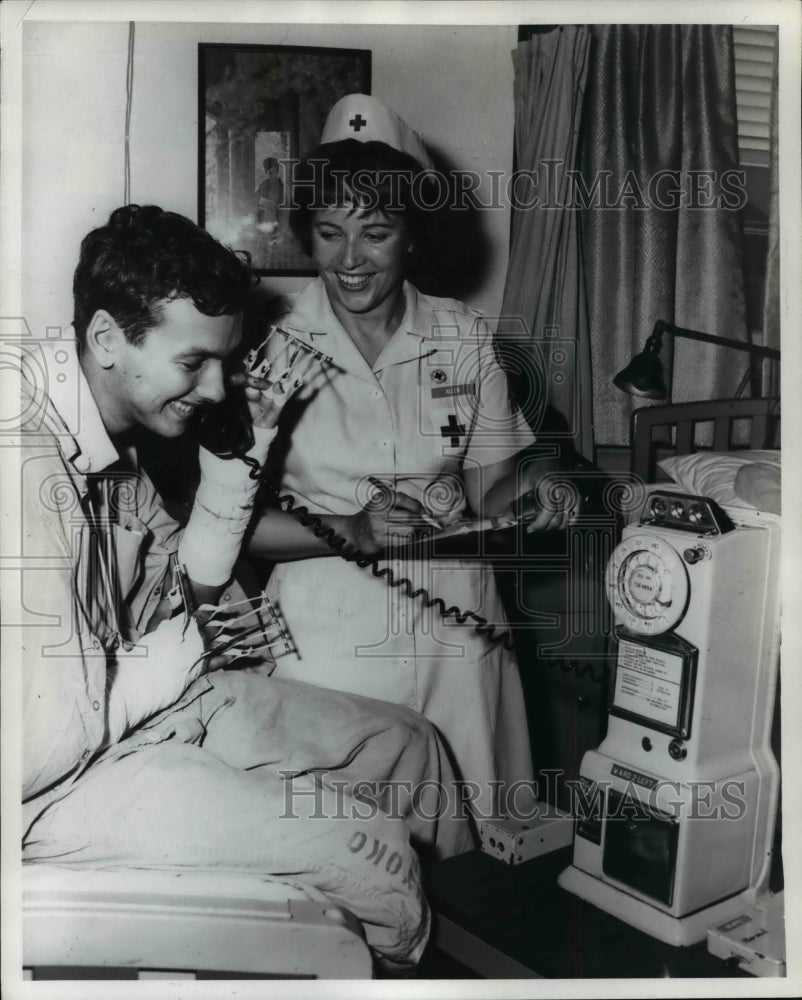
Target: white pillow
column 713, row 474
column 760, row 485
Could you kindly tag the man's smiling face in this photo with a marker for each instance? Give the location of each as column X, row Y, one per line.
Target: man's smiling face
column 177, row 368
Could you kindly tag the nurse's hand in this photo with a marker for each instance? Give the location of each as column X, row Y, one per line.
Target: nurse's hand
column 390, row 518
column 551, row 520
column 551, row 504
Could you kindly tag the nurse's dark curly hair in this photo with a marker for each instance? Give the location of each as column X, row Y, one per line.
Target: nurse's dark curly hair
column 370, row 175
column 145, row 256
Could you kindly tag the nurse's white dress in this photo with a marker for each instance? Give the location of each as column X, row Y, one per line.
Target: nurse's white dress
column 434, row 402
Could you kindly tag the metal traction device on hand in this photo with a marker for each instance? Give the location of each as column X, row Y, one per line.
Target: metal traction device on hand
column 252, row 628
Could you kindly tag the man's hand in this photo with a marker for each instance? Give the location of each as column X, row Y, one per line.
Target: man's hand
column 216, row 626
column 247, row 630
column 268, row 389
column 154, row 673
column 227, row 490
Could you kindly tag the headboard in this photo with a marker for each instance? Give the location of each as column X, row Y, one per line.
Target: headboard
column 715, row 425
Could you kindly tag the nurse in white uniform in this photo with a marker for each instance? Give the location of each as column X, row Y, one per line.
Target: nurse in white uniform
column 413, row 399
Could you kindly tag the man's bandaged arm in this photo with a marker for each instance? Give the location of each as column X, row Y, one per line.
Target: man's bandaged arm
column 221, row 513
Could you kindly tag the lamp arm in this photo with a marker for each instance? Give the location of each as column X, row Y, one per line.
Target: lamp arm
column 661, row 327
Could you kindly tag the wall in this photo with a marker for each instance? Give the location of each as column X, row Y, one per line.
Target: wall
column 453, row 84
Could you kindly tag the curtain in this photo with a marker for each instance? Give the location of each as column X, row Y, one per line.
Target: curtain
column 771, row 302
column 660, row 220
column 544, row 316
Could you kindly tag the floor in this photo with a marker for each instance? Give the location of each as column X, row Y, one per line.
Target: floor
column 436, row 965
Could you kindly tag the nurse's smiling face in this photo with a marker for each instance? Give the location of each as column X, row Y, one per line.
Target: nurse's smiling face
column 361, row 257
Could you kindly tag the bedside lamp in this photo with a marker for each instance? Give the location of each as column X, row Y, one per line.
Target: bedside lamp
column 643, row 376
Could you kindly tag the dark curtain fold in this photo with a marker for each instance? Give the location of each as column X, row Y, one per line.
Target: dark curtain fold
column 660, row 224
column 771, row 302
column 544, row 313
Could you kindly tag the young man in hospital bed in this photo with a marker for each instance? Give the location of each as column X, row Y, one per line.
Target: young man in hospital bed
column 140, row 749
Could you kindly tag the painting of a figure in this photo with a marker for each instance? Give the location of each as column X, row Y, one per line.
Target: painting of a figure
column 261, row 110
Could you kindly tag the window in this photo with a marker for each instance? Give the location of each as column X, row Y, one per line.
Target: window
column 755, row 48
column 755, row 66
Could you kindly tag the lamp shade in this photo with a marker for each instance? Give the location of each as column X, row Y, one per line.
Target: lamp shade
column 643, row 376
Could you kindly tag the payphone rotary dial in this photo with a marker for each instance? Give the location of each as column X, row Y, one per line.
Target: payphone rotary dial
column 647, row 585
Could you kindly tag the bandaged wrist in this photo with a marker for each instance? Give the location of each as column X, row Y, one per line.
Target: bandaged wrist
column 221, row 512
column 153, row 673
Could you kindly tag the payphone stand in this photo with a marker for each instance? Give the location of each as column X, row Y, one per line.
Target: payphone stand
column 675, row 811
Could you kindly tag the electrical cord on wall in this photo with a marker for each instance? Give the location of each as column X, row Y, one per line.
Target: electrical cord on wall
column 129, row 96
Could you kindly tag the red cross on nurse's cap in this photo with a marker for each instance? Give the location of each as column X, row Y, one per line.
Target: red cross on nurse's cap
column 362, row 117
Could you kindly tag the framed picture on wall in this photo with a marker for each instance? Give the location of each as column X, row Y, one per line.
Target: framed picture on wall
column 262, row 108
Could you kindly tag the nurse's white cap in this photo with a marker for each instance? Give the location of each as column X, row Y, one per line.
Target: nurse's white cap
column 362, row 117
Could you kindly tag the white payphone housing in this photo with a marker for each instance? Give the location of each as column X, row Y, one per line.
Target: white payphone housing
column 676, row 818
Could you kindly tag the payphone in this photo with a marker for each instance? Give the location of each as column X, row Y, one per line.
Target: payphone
column 675, row 811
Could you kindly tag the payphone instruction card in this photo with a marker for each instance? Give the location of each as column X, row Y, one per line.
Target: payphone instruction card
column 648, row 683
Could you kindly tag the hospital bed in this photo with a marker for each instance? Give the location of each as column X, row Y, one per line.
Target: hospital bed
column 718, row 425
column 136, row 924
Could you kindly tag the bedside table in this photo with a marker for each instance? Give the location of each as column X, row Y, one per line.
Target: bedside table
column 514, row 922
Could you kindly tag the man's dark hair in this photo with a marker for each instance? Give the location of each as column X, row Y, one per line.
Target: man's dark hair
column 144, row 256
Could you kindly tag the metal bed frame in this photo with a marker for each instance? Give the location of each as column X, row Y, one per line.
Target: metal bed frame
column 684, row 428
